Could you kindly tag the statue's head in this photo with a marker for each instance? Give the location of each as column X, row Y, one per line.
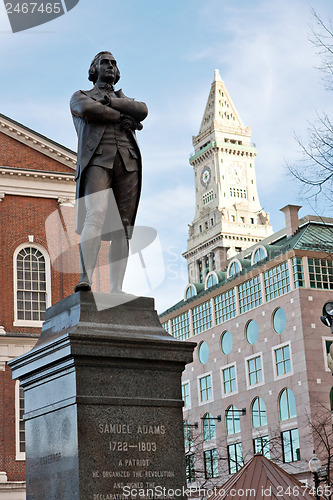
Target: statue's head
column 93, row 70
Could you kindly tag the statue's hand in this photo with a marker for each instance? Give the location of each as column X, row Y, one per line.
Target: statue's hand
column 128, row 123
column 105, row 100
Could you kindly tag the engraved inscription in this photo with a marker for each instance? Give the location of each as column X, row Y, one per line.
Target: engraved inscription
column 133, row 448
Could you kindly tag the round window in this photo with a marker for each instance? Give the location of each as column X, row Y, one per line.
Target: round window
column 252, row 332
column 226, row 343
column 279, row 320
column 203, row 352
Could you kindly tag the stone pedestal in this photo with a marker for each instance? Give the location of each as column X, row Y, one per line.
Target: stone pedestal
column 103, row 403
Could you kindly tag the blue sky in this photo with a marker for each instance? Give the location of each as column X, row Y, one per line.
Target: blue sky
column 167, row 51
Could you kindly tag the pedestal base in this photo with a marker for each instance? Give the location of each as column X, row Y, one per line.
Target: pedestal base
column 103, row 404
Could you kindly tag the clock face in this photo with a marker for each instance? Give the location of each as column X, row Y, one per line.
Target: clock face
column 205, row 176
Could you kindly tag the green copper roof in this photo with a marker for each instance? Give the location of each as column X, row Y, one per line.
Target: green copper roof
column 312, row 236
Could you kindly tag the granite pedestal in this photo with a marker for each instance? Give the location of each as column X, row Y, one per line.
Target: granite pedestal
column 103, row 403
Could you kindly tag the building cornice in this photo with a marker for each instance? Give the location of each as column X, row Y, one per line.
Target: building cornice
column 38, row 142
column 225, row 148
column 36, row 183
column 12, row 347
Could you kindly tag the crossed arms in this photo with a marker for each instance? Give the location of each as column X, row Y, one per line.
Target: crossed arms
column 106, row 110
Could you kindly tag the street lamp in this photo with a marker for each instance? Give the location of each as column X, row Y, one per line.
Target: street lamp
column 319, row 472
column 327, row 317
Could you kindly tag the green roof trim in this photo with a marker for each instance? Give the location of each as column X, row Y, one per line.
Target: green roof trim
column 317, row 237
column 252, row 149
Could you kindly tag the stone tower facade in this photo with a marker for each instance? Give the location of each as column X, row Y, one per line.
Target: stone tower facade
column 228, row 215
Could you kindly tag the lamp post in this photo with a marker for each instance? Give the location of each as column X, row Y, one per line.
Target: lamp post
column 319, row 472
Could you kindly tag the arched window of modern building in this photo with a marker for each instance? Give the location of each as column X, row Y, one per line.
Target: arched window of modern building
column 190, row 291
column 259, row 414
column 234, row 268
column 232, row 421
column 259, row 254
column 287, row 405
column 32, row 284
column 208, row 427
column 211, row 279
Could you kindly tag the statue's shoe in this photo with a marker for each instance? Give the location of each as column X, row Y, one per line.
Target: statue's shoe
column 82, row 286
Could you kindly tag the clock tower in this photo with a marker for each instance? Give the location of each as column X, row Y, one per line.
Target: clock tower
column 228, row 215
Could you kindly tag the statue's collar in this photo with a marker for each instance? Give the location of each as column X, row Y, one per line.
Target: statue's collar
column 106, row 86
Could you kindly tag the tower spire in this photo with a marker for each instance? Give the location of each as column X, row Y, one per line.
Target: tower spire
column 220, row 111
column 217, row 76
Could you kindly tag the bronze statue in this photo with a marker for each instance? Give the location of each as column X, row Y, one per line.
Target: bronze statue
column 108, row 173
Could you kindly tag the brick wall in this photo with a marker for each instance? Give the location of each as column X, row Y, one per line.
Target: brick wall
column 15, row 469
column 16, row 154
column 21, row 216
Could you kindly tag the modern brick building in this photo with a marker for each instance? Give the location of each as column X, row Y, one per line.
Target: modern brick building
column 37, row 192
column 260, row 364
column 253, row 304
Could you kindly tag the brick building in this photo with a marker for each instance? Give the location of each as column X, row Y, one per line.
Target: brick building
column 37, row 191
column 260, row 374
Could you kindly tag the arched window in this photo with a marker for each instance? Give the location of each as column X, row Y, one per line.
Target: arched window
column 232, row 421
column 31, row 284
column 259, row 414
column 234, row 267
column 190, row 291
column 287, row 405
column 211, row 280
column 259, row 254
column 208, row 427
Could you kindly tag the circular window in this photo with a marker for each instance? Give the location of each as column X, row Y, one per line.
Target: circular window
column 279, row 320
column 252, row 332
column 203, row 352
column 226, row 342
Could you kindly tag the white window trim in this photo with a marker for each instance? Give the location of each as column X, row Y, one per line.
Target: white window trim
column 211, row 273
column 19, row 454
column 224, row 395
column 248, row 358
column 31, row 323
column 201, row 403
column 230, row 264
column 324, row 339
column 189, row 391
column 254, row 251
column 285, row 375
column 190, row 285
